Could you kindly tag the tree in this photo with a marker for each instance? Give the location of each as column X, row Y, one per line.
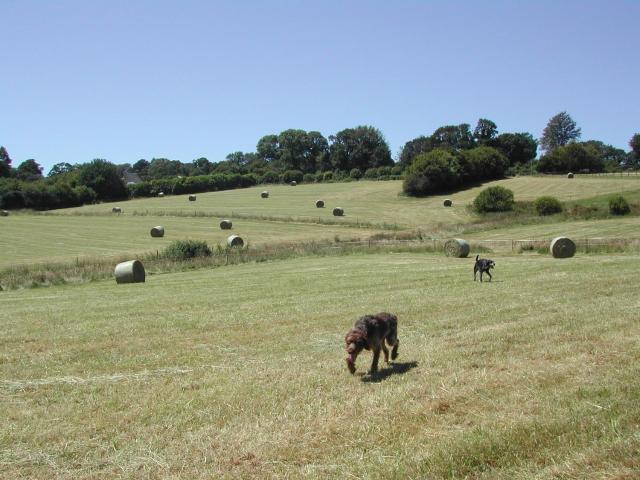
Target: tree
column 574, row 157
column 519, row 148
column 413, row 148
column 613, row 159
column 141, row 167
column 267, row 148
column 485, row 131
column 560, row 130
column 634, row 154
column 5, row 163
column 458, row 137
column 29, row 170
column 432, row 172
column 362, row 147
column 163, row 168
column 102, row 177
column 60, row 169
column 202, row 166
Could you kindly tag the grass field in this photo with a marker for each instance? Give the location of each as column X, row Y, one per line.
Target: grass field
column 91, row 231
column 369, row 201
column 239, row 372
column 55, row 238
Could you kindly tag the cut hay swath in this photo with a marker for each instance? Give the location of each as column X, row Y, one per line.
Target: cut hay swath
column 456, row 247
column 157, row 231
column 562, row 247
column 192, row 198
column 264, row 194
column 320, row 203
column 226, row 224
column 448, row 203
column 569, row 175
column 338, row 212
column 129, row 272
column 116, row 210
column 235, row 241
column 4, row 213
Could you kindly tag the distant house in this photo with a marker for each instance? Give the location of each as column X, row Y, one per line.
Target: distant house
column 131, row 178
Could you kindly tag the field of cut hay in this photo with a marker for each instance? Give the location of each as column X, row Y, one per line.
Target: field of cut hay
column 239, row 372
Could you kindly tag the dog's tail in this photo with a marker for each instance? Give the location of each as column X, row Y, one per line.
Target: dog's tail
column 477, row 257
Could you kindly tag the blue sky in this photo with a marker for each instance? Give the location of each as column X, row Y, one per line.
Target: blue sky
column 125, row 80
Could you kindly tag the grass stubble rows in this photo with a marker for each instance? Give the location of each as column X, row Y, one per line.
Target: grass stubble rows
column 238, row 372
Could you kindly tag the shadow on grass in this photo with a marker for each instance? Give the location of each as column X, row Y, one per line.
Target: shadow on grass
column 395, row 368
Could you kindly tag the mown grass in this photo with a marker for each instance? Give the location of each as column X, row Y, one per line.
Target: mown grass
column 239, row 372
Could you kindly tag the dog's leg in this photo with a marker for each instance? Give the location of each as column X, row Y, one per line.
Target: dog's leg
column 489, row 273
column 480, row 276
column 376, row 356
column 394, row 350
column 475, row 270
column 385, row 351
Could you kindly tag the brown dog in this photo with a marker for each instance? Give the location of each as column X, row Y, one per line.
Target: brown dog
column 370, row 333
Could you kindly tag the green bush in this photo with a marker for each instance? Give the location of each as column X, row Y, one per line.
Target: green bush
column 432, row 172
column 185, row 249
column 371, row 173
column 619, row 206
column 547, row 205
column 494, row 199
column 327, row 176
column 309, row 178
column 270, row 177
column 292, row 176
column 355, row 173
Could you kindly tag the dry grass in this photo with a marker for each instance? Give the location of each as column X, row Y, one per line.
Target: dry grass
column 239, row 373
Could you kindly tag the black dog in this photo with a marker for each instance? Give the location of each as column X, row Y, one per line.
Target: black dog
column 370, row 333
column 483, row 265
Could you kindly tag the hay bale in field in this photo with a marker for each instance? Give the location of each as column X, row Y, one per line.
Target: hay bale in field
column 320, row 203
column 569, row 175
column 264, row 194
column 116, row 210
column 338, row 212
column 293, row 183
column 157, row 231
column 456, row 247
column 161, row 194
column 130, row 272
column 192, row 198
column 235, row 241
column 448, row 203
column 4, row 213
column 226, row 224
column 562, row 247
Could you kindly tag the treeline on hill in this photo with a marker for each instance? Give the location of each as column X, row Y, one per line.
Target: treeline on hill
column 452, row 157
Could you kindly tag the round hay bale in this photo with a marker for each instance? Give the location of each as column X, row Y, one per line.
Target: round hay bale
column 569, row 175
column 456, row 247
column 448, row 203
column 338, row 212
column 4, row 213
column 161, row 194
column 130, row 272
column 157, row 231
column 226, row 224
column 264, row 194
column 562, row 247
column 235, row 241
column 293, row 183
column 192, row 198
column 320, row 203
column 116, row 210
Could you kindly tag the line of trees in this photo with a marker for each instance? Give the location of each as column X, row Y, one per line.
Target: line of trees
column 451, row 157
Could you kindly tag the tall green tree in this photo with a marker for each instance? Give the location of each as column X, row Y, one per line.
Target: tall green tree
column 362, row 147
column 560, row 130
column 519, row 148
column 573, row 157
column 163, row 168
column 458, row 137
column 634, row 154
column 413, row 148
column 5, row 163
column 201, row 166
column 60, row 169
column 29, row 170
column 141, row 167
column 485, row 131
column 102, row 177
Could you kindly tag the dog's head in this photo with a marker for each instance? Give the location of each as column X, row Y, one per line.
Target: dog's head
column 355, row 342
column 491, row 264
